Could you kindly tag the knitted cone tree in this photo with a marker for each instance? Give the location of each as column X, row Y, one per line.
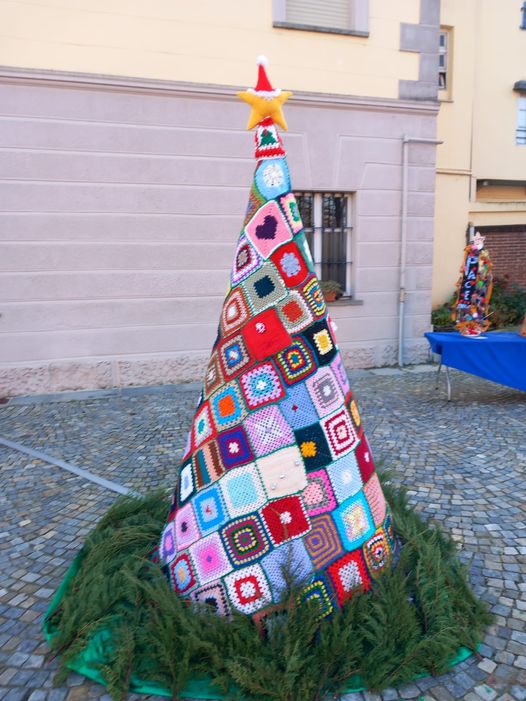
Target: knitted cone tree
column 278, row 477
column 277, row 503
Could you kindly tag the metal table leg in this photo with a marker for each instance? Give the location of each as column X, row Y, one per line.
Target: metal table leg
column 438, row 373
column 448, row 380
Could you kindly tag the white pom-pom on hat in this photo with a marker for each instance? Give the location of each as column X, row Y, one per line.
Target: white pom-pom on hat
column 262, row 60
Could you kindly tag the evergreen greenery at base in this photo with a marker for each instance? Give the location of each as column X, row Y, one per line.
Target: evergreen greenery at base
column 118, row 607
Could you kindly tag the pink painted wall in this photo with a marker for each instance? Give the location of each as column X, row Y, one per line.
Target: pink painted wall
column 121, row 204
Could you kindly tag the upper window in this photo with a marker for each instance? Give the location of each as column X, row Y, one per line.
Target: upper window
column 520, row 134
column 340, row 16
column 443, row 59
column 326, row 219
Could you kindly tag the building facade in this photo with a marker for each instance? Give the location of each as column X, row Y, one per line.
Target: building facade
column 126, row 168
column 481, row 165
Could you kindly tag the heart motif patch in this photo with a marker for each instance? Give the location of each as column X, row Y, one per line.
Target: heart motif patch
column 267, row 230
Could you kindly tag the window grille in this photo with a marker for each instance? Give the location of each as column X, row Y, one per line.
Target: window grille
column 326, row 218
column 443, row 52
column 520, row 135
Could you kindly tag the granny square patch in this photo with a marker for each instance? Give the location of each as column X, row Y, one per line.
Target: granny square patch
column 290, row 264
column 349, row 575
column 209, row 510
column 297, row 407
column 318, row 495
column 285, row 519
column 261, row 385
column 355, row 414
column 246, row 261
column 313, row 446
column 289, row 563
column 210, row 559
column 325, row 391
column 214, row 597
column 322, row 541
column 245, row 540
column 268, row 229
column 255, row 200
column 340, row 432
column 354, row 521
column 319, row 591
column 236, row 312
column 242, row 490
column 272, row 177
column 294, row 312
column 345, row 477
column 377, row 553
column 248, row 589
column 202, row 428
column 340, row 373
column 268, row 430
column 389, row 530
column 207, row 465
column 264, row 288
column 182, row 574
column 265, row 335
column 168, row 548
column 365, row 459
column 228, row 407
column 295, row 362
column 319, row 337
column 375, row 496
column 282, row 472
column 234, row 447
column 185, row 527
column 290, row 207
column 186, row 482
column 213, row 377
column 234, row 356
column 314, row 297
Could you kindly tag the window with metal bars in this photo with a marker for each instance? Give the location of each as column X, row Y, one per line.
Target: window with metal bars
column 327, row 221
column 520, row 134
column 443, row 59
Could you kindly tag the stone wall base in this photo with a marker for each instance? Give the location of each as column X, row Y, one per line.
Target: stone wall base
column 132, row 372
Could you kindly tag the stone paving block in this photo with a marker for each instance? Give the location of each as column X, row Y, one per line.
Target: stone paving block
column 485, row 692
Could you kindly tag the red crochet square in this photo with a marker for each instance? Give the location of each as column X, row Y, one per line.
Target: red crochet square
column 265, row 335
column 285, row 519
column 289, row 261
column 349, row 575
column 364, row 459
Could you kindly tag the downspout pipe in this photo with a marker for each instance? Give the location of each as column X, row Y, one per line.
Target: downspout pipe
column 406, row 140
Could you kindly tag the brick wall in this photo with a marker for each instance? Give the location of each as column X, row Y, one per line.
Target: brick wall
column 507, row 247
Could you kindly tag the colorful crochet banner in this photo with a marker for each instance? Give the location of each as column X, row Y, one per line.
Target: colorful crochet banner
column 277, row 473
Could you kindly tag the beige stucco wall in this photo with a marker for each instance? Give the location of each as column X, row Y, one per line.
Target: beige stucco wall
column 477, row 126
column 206, row 42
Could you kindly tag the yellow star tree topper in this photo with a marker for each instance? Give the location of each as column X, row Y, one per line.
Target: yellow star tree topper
column 264, row 100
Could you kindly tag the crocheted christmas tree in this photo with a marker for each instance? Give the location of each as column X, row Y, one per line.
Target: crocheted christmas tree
column 277, row 479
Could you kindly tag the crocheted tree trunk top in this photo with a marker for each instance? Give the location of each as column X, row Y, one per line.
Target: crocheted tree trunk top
column 277, row 483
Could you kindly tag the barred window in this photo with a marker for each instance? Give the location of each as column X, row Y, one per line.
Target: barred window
column 443, row 59
column 327, row 220
column 520, row 135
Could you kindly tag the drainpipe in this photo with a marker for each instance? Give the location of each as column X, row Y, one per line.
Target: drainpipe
column 406, row 140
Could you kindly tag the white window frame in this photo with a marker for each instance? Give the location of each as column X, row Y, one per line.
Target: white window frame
column 520, row 133
column 317, row 230
column 445, row 48
column 358, row 13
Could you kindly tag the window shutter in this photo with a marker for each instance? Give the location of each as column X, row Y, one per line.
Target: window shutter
column 329, row 13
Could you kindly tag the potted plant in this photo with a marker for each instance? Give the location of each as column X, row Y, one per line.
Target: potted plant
column 331, row 290
column 441, row 318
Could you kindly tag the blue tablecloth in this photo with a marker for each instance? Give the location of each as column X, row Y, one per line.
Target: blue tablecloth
column 496, row 356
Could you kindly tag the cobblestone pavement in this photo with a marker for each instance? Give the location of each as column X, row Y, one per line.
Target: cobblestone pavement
column 463, row 463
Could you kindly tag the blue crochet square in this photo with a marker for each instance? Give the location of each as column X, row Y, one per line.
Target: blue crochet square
column 297, row 407
column 209, row 510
